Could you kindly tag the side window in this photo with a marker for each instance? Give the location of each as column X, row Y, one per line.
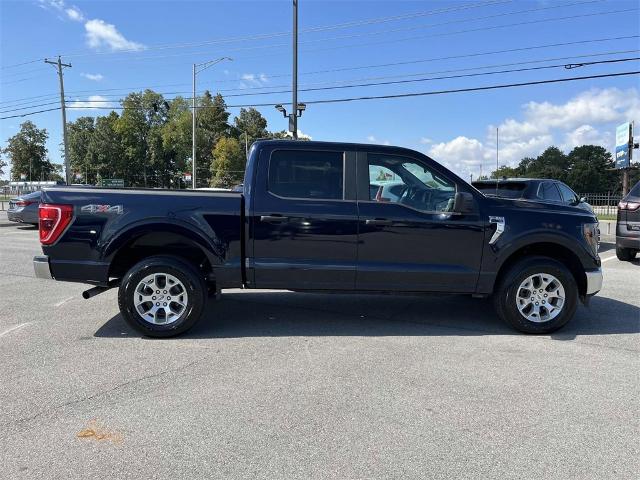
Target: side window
column 306, row 174
column 548, row 191
column 568, row 195
column 407, row 182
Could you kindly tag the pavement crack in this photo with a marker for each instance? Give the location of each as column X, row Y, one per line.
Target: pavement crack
column 102, row 393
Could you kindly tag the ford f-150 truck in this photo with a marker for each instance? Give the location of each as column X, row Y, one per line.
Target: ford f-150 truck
column 316, row 216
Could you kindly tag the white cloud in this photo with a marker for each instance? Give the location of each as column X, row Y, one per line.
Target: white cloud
column 425, row 141
column 588, row 118
column 74, row 14
column 98, row 32
column 301, row 135
column 96, row 77
column 373, row 139
column 102, row 34
column 254, row 79
column 71, row 12
column 94, row 101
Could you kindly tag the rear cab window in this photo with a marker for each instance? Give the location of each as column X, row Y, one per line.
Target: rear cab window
column 504, row 190
column 306, row 174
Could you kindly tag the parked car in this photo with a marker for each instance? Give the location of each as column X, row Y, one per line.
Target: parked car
column 628, row 225
column 24, row 209
column 538, row 189
column 307, row 221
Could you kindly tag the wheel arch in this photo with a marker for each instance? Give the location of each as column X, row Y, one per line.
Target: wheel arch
column 555, row 251
column 167, row 239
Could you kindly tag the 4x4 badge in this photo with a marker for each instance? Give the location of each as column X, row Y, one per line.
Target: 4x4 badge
column 117, row 209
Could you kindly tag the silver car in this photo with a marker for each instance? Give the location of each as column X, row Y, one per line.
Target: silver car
column 24, row 209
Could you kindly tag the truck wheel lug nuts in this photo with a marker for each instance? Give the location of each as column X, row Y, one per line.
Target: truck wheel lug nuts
column 157, row 304
column 153, row 298
column 164, row 304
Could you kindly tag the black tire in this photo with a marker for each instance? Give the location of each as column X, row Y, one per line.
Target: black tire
column 187, row 274
column 505, row 295
column 625, row 254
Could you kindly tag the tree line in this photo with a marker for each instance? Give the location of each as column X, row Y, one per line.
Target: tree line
column 587, row 168
column 147, row 144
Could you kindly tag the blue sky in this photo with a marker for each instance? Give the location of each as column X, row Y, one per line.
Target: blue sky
column 119, row 46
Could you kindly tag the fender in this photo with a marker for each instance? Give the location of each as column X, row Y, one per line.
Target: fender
column 212, row 248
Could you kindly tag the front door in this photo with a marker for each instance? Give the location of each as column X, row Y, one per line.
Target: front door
column 409, row 237
column 304, row 220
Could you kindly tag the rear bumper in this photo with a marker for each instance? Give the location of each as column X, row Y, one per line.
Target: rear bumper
column 628, row 242
column 41, row 267
column 594, row 281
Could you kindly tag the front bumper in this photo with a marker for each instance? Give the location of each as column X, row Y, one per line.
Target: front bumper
column 41, row 267
column 594, row 281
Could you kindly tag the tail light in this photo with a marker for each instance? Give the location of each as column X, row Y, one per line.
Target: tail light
column 23, row 203
column 54, row 219
column 628, row 205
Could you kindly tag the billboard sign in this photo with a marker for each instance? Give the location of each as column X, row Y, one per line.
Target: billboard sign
column 623, row 136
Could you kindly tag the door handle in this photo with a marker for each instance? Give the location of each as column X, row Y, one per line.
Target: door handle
column 273, row 218
column 378, row 221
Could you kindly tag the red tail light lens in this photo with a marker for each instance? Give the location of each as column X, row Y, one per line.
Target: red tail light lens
column 54, row 219
column 23, row 203
column 628, row 205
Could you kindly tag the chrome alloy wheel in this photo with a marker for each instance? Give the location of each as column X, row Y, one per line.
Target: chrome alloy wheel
column 160, row 299
column 540, row 297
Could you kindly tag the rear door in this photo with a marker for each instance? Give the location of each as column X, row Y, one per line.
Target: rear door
column 414, row 241
column 303, row 225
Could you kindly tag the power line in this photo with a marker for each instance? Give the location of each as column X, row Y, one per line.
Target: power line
column 417, row 80
column 31, row 113
column 355, row 23
column 361, row 67
column 400, row 95
column 366, row 44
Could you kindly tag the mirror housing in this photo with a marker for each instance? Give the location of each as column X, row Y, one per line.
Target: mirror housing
column 582, row 200
column 463, row 203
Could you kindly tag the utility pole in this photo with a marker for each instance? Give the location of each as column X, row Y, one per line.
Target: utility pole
column 246, row 145
column 294, row 88
column 197, row 68
column 59, row 66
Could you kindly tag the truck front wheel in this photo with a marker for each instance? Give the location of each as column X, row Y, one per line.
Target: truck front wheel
column 537, row 295
column 162, row 296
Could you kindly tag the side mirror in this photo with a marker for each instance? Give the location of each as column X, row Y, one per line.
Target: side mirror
column 463, row 203
column 583, row 200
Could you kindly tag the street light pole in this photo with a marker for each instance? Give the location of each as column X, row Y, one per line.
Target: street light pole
column 197, row 68
column 294, row 89
column 59, row 65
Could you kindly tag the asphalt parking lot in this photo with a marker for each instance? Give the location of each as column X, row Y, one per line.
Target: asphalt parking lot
column 282, row 385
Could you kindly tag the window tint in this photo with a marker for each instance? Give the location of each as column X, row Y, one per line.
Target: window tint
column 306, row 174
column 407, row 182
column 568, row 195
column 548, row 191
column 504, row 190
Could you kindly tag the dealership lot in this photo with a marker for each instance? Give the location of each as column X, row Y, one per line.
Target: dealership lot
column 284, row 385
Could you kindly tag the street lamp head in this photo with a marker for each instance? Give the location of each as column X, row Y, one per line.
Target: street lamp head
column 281, row 109
column 302, row 106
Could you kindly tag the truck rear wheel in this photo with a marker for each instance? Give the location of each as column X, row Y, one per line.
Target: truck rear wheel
column 625, row 254
column 537, row 295
column 162, row 296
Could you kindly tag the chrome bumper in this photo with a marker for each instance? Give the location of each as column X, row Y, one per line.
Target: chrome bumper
column 594, row 281
column 41, row 267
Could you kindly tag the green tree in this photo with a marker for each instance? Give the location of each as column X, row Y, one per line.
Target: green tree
column 250, row 125
column 592, row 169
column 3, row 164
column 212, row 124
column 142, row 113
column 79, row 134
column 552, row 163
column 506, row 172
column 227, row 168
column 28, row 153
column 106, row 150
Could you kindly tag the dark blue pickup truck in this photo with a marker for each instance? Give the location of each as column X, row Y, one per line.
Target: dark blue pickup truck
column 325, row 217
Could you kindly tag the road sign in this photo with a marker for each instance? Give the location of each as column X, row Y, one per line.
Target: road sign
column 112, row 182
column 623, row 138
